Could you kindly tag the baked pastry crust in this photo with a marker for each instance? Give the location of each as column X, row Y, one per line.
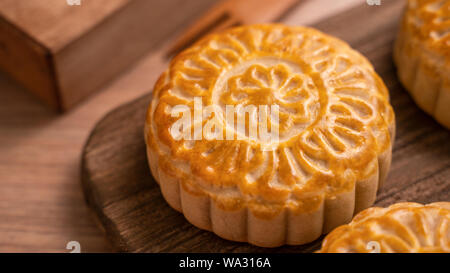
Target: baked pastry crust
column 422, row 56
column 336, row 129
column 402, row 227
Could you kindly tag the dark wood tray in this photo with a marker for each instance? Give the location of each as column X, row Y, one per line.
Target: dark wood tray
column 124, row 197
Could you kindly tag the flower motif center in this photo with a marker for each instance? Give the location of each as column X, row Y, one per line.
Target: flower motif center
column 271, row 81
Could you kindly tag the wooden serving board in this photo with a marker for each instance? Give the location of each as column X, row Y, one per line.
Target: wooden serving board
column 127, row 201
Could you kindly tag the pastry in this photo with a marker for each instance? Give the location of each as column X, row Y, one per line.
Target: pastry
column 330, row 152
column 403, row 227
column 422, row 56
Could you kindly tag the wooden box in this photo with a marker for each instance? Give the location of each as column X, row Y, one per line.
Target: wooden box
column 63, row 52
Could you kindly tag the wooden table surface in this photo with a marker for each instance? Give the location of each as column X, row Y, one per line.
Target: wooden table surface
column 41, row 204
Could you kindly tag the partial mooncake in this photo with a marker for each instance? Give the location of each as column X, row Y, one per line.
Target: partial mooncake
column 422, row 56
column 335, row 133
column 403, row 227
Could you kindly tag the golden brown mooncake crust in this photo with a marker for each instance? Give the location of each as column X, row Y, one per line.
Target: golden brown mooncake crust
column 336, row 132
column 422, row 56
column 402, row 227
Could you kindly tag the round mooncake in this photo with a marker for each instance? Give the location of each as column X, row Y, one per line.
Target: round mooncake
column 334, row 131
column 403, row 227
column 422, row 56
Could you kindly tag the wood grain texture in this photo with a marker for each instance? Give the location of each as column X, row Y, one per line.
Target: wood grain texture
column 64, row 53
column 121, row 191
column 33, row 31
column 27, row 61
column 228, row 13
column 104, row 51
column 53, row 22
